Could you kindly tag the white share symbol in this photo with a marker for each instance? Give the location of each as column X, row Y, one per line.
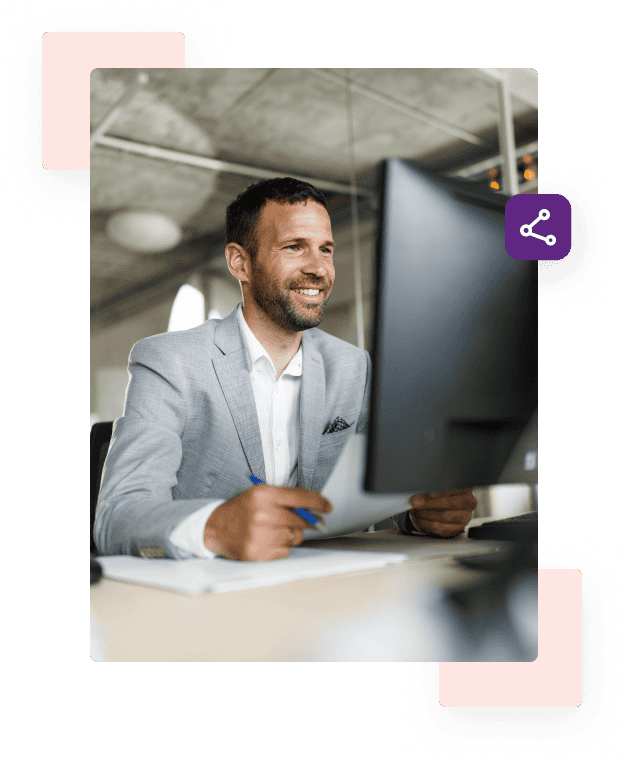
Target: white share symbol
column 527, row 230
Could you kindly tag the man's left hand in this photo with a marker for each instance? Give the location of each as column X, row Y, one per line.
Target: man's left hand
column 443, row 514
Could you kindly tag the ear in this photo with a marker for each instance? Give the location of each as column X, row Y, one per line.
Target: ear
column 238, row 261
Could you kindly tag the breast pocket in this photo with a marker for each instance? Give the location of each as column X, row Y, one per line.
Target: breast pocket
column 330, row 448
column 334, row 438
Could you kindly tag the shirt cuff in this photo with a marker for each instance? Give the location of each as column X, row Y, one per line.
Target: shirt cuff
column 419, row 531
column 404, row 523
column 188, row 535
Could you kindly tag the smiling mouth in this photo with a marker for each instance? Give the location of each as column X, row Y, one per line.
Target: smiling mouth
column 308, row 292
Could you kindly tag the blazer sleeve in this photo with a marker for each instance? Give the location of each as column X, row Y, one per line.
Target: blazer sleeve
column 136, row 513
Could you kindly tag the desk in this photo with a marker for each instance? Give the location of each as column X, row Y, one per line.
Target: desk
column 308, row 620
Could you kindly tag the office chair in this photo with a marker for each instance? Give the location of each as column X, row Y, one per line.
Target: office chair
column 100, row 435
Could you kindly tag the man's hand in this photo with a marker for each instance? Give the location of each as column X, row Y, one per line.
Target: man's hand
column 259, row 524
column 443, row 514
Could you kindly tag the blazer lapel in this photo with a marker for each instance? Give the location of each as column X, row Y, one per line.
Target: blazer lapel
column 233, row 376
column 311, row 411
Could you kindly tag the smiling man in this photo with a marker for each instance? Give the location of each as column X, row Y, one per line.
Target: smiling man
column 262, row 395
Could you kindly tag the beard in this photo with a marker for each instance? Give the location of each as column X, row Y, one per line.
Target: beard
column 277, row 302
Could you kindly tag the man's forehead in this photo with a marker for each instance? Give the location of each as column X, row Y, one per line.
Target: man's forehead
column 278, row 217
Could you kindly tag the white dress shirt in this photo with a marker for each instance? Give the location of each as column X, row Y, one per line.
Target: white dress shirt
column 277, row 404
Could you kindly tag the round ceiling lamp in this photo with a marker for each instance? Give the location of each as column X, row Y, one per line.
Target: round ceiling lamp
column 143, row 230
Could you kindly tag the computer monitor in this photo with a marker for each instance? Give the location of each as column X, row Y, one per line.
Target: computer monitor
column 454, row 338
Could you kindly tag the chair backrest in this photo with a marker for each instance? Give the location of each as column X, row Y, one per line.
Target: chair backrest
column 100, row 436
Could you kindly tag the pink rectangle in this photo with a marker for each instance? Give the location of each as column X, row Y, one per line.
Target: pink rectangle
column 554, row 679
column 67, row 60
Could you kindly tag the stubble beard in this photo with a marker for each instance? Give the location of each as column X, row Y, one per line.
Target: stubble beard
column 276, row 302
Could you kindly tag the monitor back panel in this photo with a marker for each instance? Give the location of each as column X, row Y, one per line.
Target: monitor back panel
column 454, row 341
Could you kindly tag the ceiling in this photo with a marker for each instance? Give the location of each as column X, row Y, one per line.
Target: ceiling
column 258, row 123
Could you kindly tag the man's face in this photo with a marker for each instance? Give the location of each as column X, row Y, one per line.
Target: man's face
column 295, row 250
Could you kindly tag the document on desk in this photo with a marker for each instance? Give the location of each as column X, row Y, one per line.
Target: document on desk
column 219, row 575
column 353, row 509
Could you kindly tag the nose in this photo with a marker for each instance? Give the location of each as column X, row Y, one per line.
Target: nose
column 316, row 264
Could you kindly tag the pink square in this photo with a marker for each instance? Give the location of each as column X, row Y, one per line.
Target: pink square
column 67, row 60
column 554, row 679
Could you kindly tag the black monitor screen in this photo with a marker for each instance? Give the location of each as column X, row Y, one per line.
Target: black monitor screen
column 454, row 340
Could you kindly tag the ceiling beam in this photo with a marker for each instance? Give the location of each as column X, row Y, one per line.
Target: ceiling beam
column 220, row 165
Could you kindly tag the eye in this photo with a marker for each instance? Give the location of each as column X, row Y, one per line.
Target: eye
column 292, row 246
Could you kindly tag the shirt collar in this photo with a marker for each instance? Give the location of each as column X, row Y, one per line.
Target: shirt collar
column 255, row 350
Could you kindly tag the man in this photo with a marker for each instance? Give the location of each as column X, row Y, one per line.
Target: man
column 261, row 393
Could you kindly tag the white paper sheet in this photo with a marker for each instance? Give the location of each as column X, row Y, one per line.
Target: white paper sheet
column 219, row 575
column 353, row 509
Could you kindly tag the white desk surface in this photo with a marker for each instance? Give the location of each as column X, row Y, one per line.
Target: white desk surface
column 275, row 623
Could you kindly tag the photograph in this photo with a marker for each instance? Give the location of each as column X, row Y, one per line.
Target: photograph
column 314, row 364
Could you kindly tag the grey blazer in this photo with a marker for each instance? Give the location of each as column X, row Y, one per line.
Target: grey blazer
column 190, row 432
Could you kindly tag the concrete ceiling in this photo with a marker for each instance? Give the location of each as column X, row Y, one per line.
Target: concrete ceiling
column 289, row 121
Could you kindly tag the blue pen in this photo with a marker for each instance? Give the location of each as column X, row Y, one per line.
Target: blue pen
column 315, row 521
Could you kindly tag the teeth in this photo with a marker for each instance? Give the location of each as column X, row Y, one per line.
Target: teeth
column 311, row 292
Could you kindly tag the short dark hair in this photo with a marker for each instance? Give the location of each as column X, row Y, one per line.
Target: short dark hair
column 244, row 212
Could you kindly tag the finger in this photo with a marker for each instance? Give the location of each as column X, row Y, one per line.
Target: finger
column 294, row 537
column 287, row 518
column 459, row 501
column 444, row 530
column 279, row 553
column 268, row 553
column 443, row 515
column 265, row 544
column 426, row 503
column 276, row 519
column 274, row 506
column 302, row 497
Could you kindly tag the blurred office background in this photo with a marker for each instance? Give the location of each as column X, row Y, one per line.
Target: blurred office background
column 172, row 147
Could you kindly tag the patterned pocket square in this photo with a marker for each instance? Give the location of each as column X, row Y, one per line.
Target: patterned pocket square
column 337, row 426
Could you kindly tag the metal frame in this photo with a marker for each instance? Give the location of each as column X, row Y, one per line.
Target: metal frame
column 219, row 165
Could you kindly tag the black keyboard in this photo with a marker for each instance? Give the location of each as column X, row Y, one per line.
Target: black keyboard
column 517, row 528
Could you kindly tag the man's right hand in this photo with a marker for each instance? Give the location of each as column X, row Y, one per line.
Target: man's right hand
column 259, row 524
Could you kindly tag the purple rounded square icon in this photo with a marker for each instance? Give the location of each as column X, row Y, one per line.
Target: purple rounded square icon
column 538, row 227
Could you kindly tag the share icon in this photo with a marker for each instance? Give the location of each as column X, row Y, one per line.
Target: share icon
column 527, row 228
column 523, row 241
